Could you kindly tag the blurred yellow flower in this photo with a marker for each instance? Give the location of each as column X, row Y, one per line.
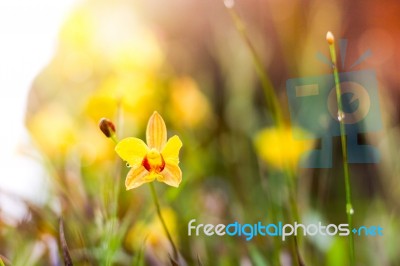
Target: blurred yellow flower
column 115, row 36
column 158, row 159
column 98, row 154
column 276, row 146
column 153, row 234
column 195, row 109
column 116, row 93
column 53, row 129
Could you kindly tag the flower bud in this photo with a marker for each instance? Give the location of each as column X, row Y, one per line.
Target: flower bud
column 107, row 127
column 329, row 37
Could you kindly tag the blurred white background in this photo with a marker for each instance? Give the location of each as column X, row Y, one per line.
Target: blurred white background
column 28, row 35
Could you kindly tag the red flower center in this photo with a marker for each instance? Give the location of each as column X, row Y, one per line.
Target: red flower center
column 153, row 161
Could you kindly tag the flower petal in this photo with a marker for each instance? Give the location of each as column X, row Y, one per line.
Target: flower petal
column 132, row 150
column 137, row 176
column 156, row 133
column 171, row 175
column 170, row 152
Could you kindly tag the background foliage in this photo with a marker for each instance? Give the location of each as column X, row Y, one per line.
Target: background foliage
column 124, row 59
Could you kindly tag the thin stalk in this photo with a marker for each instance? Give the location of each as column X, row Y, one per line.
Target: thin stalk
column 114, row 206
column 157, row 204
column 109, row 130
column 270, row 96
column 273, row 103
column 115, row 139
column 113, row 212
column 271, row 208
column 294, row 214
column 349, row 206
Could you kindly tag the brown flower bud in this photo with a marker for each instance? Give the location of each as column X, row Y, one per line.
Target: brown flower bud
column 107, row 127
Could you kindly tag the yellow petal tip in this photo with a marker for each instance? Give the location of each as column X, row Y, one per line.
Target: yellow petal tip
column 156, row 133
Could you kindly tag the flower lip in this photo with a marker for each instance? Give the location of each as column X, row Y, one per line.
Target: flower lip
column 154, row 161
column 153, row 154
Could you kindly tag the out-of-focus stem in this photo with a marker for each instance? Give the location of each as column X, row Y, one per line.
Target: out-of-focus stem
column 273, row 103
column 157, row 204
column 270, row 96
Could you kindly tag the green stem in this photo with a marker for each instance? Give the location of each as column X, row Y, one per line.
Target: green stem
column 113, row 235
column 277, row 116
column 157, row 204
column 294, row 211
column 114, row 138
column 349, row 206
column 270, row 96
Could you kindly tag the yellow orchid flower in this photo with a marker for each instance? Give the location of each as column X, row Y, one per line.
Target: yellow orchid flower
column 158, row 159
